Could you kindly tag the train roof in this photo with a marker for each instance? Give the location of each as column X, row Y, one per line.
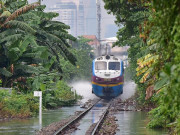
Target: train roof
column 107, row 57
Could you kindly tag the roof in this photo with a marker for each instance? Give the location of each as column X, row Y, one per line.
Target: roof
column 113, row 39
column 94, row 39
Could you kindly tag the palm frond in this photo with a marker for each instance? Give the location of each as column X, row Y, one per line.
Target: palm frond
column 27, row 68
column 17, row 4
column 46, row 16
column 146, row 75
column 26, row 41
column 64, row 35
column 29, row 16
column 147, row 60
column 5, row 72
column 68, row 55
column 59, row 43
column 54, row 25
column 6, row 33
column 53, row 51
column 145, row 64
column 20, row 25
column 50, row 37
column 30, row 55
column 11, row 38
column 8, row 2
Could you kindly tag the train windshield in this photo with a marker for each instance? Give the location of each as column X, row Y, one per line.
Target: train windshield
column 114, row 65
column 100, row 65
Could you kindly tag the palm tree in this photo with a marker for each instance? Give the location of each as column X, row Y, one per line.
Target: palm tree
column 30, row 37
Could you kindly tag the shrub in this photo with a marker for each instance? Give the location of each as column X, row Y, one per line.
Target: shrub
column 15, row 105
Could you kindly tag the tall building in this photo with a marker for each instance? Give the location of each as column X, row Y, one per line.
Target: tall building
column 81, row 19
column 71, row 12
column 84, row 16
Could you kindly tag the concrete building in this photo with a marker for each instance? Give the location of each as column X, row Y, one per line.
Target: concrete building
column 81, row 19
column 71, row 12
column 94, row 43
column 89, row 26
column 117, row 51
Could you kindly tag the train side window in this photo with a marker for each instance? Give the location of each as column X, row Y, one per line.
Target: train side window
column 114, row 65
column 100, row 65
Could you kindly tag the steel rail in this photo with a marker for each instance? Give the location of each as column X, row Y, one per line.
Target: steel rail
column 75, row 119
column 100, row 120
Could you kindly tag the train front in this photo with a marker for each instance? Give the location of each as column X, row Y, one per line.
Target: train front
column 107, row 78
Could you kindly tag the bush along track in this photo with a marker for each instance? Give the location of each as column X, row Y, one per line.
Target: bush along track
column 17, row 105
column 151, row 29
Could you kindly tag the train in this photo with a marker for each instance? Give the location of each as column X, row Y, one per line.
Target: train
column 107, row 76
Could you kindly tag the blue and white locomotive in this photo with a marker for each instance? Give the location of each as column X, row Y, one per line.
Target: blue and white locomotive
column 107, row 76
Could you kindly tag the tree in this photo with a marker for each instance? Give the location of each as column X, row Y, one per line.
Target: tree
column 156, row 55
column 84, row 55
column 30, row 40
column 131, row 17
column 159, row 64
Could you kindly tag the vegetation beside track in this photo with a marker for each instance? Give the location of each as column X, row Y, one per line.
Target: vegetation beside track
column 36, row 54
column 17, row 105
column 151, row 29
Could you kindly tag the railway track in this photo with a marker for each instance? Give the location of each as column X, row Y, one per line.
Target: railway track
column 89, row 120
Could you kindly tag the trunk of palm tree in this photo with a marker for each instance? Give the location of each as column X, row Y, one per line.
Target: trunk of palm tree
column 20, row 11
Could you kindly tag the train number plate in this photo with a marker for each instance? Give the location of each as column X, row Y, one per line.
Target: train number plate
column 107, row 79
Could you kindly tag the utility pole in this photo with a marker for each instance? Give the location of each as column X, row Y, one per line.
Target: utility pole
column 98, row 4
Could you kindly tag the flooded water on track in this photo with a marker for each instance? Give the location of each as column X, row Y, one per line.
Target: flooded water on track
column 134, row 123
column 30, row 126
column 130, row 123
column 92, row 117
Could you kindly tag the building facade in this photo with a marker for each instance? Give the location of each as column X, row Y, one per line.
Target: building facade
column 71, row 12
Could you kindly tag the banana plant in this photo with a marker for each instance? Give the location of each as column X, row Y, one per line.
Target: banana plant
column 29, row 38
column 145, row 65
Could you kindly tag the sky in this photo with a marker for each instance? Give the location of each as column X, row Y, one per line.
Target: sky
column 108, row 27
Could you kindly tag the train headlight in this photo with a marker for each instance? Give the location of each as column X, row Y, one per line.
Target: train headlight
column 97, row 79
column 117, row 79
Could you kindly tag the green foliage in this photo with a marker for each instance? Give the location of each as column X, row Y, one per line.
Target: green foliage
column 60, row 95
column 17, row 105
column 31, row 47
column 30, row 44
column 158, row 122
column 157, row 23
column 0, row 83
column 167, row 69
column 82, row 70
column 128, row 16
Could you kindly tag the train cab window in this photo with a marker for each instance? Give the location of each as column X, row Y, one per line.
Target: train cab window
column 100, row 65
column 114, row 65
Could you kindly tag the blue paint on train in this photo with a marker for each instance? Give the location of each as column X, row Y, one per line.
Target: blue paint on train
column 122, row 68
column 93, row 65
column 107, row 92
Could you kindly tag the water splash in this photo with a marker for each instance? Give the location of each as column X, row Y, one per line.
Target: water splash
column 128, row 90
column 83, row 88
